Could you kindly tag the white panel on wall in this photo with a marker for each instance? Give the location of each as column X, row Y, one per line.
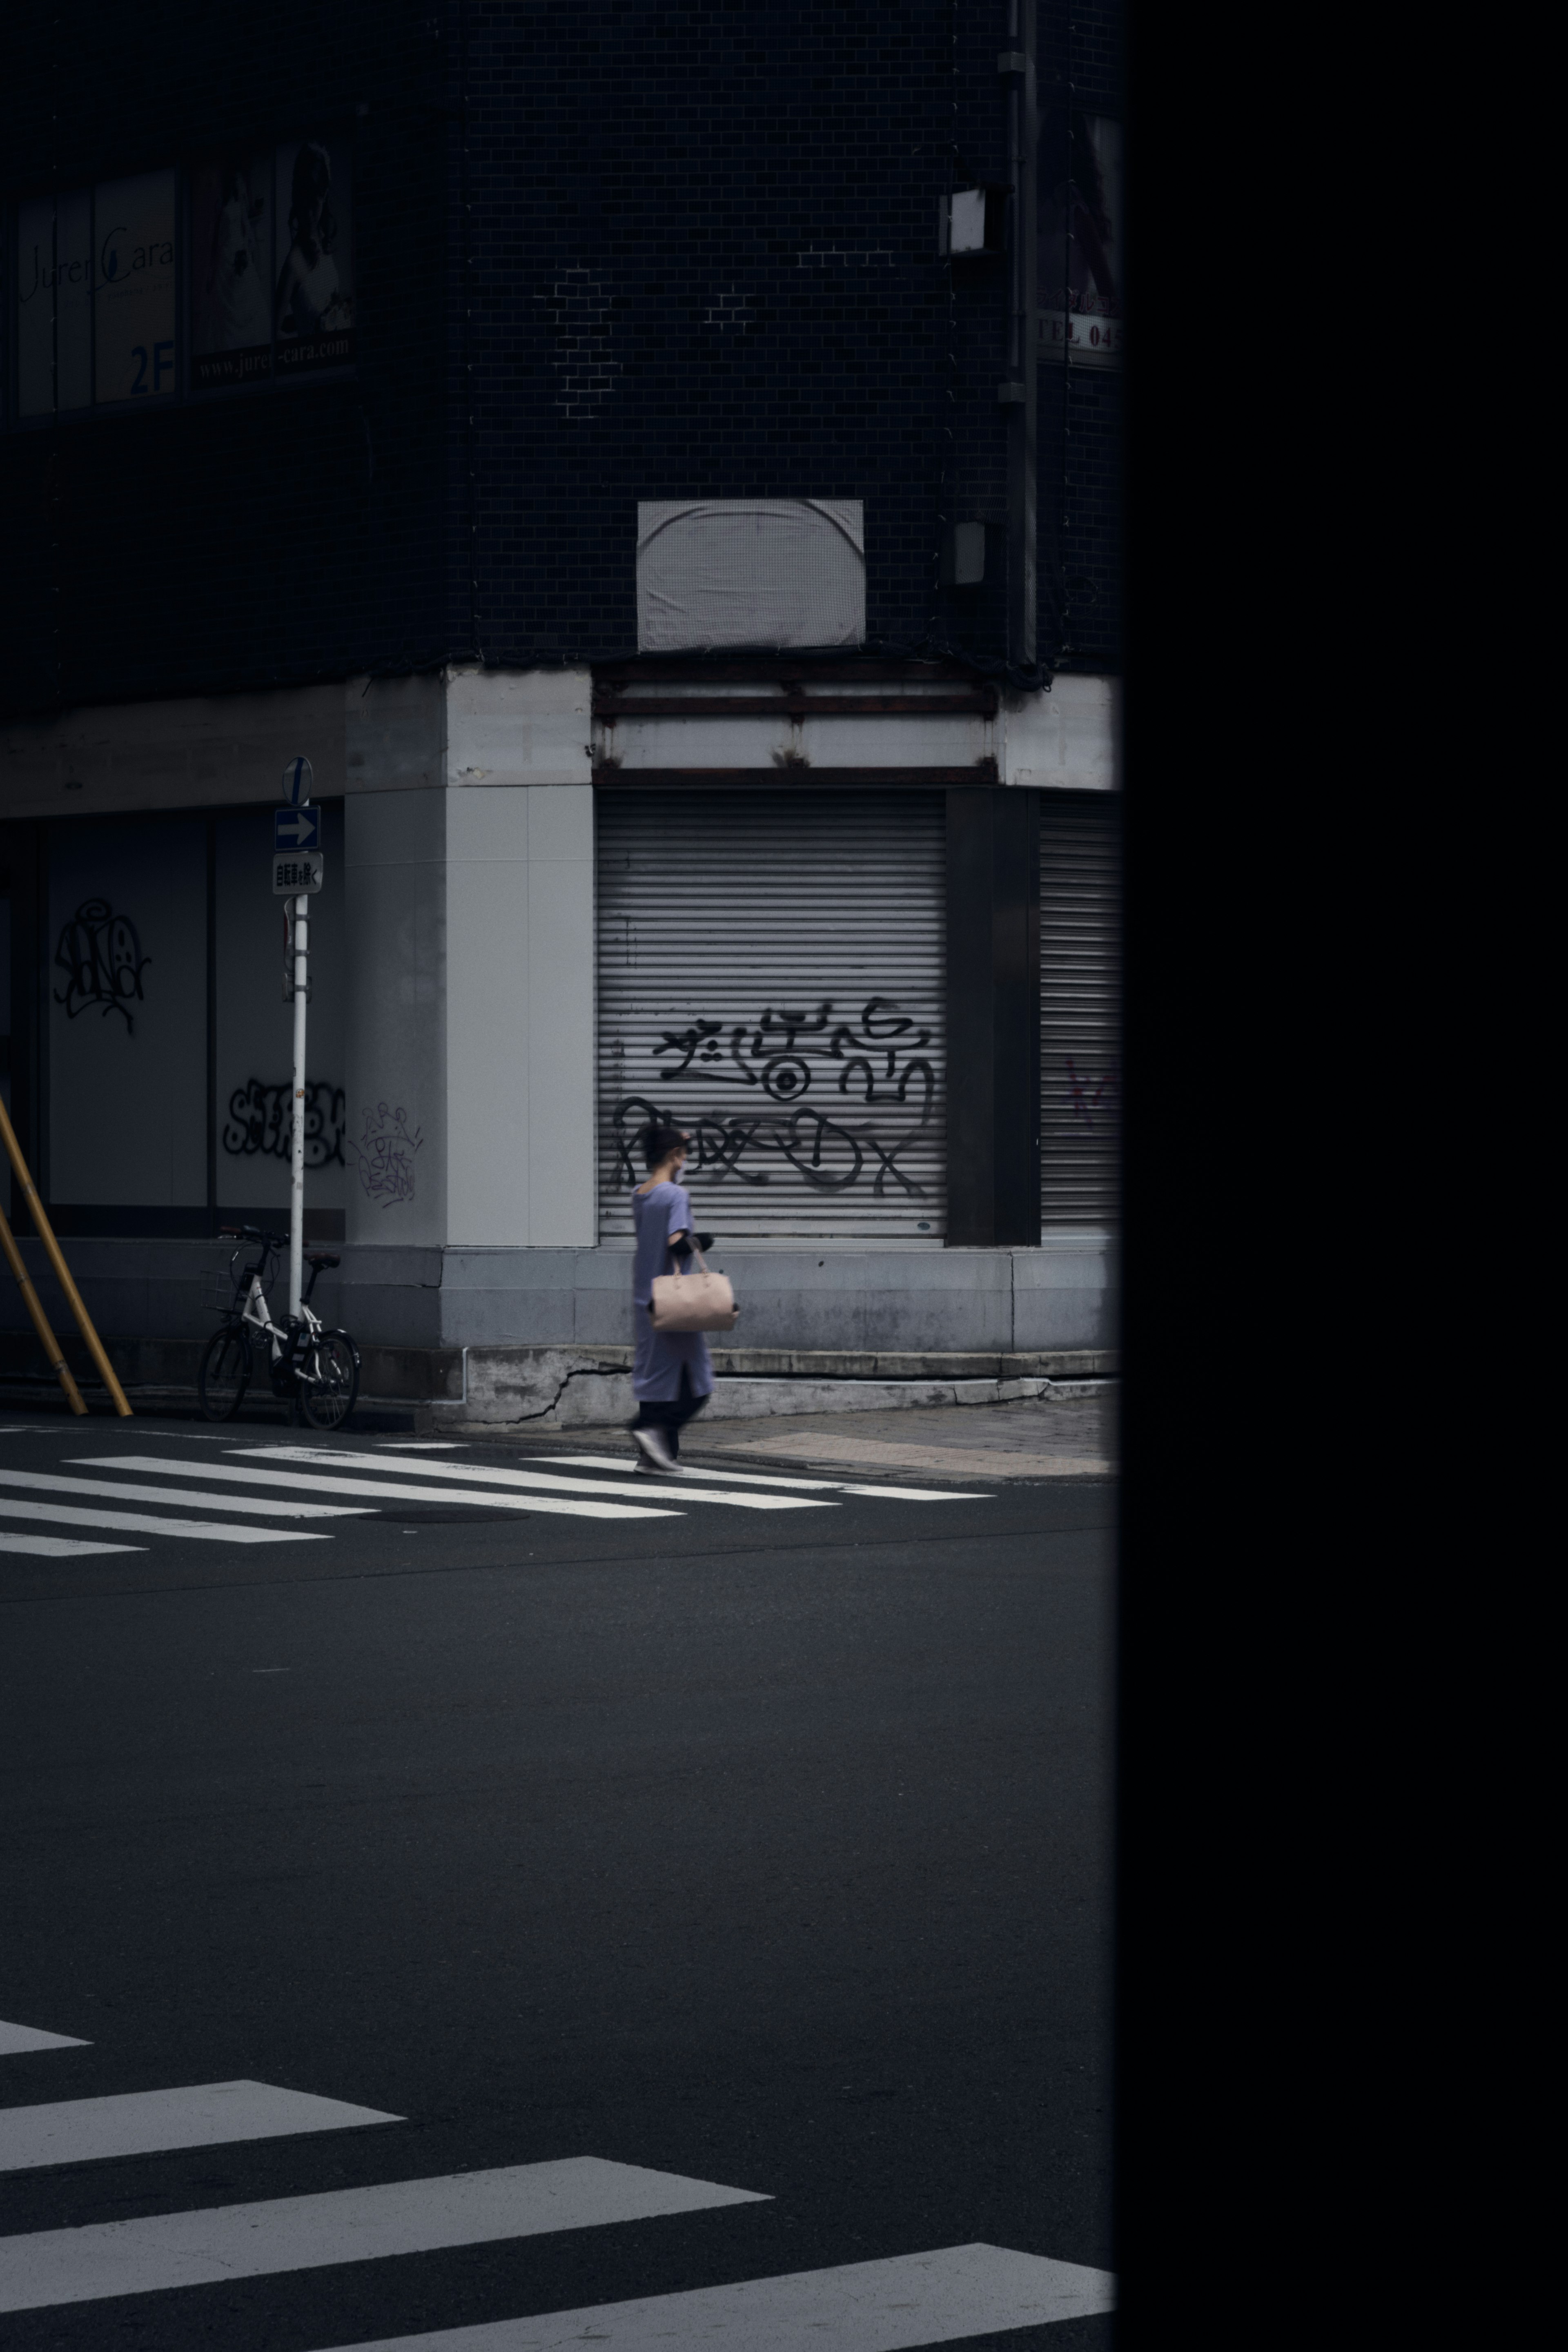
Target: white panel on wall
column 750, row 572
column 127, row 1014
column 520, row 1048
column 395, row 874
column 256, row 1026
column 561, row 982
column 486, row 1014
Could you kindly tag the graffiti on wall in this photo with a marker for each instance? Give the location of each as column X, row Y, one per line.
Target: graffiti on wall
column 385, row 1154
column 1085, row 1095
column 874, row 1063
column 101, row 959
column 259, row 1122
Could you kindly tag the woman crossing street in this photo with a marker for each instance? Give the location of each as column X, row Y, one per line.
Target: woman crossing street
column 672, row 1374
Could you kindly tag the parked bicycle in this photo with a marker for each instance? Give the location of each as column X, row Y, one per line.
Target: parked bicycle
column 312, row 1370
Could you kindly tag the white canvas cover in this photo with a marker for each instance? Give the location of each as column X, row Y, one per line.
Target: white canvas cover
column 771, row 572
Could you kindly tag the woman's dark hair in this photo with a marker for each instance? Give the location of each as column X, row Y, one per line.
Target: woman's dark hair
column 658, row 1143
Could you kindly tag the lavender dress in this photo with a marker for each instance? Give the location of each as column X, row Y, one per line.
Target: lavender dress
column 659, row 1356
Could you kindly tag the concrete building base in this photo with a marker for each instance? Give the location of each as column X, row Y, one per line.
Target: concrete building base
column 796, row 1301
column 561, row 1388
column 508, row 1338
column 577, row 1388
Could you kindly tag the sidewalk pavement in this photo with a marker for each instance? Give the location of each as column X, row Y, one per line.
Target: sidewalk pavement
column 1071, row 1433
column 1057, row 1436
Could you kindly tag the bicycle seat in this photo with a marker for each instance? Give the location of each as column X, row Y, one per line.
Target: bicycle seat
column 322, row 1258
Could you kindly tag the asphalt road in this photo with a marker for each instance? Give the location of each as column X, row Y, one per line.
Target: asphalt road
column 760, row 1847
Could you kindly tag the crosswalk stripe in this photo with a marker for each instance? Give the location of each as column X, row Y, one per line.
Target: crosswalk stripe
column 528, row 1481
column 911, row 1494
column 60, row 1546
column 341, row 2225
column 138, row 1523
column 739, row 1477
column 136, row 2123
column 941, row 2297
column 15, row 2039
column 113, row 1490
column 763, row 1478
column 379, row 1489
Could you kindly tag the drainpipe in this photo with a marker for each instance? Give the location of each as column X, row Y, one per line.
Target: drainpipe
column 1019, row 392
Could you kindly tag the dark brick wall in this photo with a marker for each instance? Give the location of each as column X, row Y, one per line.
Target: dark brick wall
column 1080, row 516
column 1079, row 453
column 710, row 269
column 640, row 251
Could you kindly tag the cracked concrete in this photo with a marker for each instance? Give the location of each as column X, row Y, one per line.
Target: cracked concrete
column 548, row 1390
column 549, row 1385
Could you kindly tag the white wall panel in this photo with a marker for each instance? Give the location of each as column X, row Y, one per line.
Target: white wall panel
column 519, row 980
column 750, row 572
column 395, row 1045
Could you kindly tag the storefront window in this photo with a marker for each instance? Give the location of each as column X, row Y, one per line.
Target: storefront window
column 127, row 1014
column 272, row 287
column 1079, row 252
column 269, row 261
column 167, row 1094
column 133, row 298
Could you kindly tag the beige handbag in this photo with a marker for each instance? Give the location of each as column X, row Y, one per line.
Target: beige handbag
column 693, row 1302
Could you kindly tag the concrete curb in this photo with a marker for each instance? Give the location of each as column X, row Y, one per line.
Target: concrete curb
column 451, row 1375
column 563, row 1395
column 548, row 1388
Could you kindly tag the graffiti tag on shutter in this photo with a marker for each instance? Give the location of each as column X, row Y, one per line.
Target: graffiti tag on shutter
column 872, row 1061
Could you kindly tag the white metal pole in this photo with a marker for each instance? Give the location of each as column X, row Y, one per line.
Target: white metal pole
column 297, row 1129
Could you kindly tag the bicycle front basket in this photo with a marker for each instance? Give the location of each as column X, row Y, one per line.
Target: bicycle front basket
column 218, row 1287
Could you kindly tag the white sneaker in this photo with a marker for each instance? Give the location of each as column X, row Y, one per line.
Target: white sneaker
column 655, row 1455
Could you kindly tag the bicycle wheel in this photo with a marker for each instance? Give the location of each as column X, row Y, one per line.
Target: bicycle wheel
column 224, row 1375
column 328, row 1380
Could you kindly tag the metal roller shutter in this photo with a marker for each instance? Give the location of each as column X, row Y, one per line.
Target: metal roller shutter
column 1081, row 1008
column 771, row 979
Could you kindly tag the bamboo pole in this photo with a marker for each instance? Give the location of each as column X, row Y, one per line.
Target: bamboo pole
column 62, row 1271
column 35, row 1307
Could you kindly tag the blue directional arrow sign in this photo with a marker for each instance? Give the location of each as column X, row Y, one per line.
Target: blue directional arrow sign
column 296, row 828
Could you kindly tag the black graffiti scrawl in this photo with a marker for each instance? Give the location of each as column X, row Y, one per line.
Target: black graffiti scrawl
column 101, row 958
column 260, row 1122
column 874, row 1062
